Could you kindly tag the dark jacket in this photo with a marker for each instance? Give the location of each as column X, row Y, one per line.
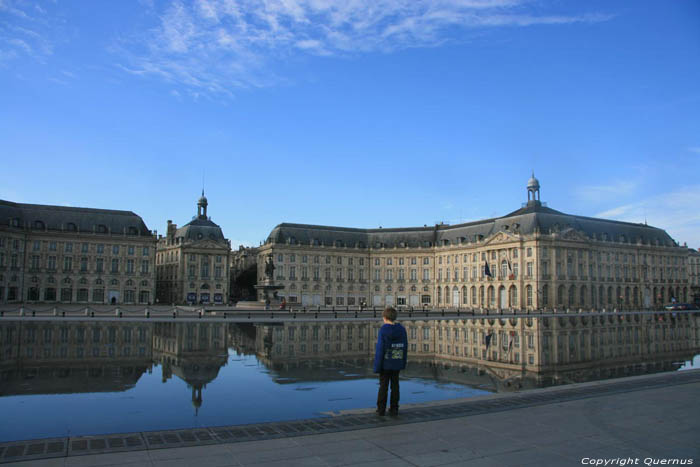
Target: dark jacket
column 392, row 348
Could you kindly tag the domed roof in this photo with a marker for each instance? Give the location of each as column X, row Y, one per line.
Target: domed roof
column 202, row 199
column 533, row 182
column 200, row 229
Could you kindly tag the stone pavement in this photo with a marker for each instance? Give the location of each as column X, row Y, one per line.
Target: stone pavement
column 646, row 425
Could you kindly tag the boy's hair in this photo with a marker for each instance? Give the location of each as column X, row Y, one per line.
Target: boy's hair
column 390, row 313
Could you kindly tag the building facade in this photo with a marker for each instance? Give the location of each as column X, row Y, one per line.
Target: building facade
column 533, row 258
column 192, row 262
column 59, row 254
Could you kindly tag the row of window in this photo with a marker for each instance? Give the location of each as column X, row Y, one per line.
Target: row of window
column 69, row 295
column 85, row 265
column 82, row 247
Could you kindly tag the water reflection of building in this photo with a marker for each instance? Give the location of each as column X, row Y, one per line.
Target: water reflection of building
column 192, row 351
column 567, row 347
column 40, row 357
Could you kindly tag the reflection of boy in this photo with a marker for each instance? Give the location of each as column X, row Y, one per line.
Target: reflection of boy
column 389, row 359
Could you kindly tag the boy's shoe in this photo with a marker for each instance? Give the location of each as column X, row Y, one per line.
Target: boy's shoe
column 381, row 413
column 394, row 412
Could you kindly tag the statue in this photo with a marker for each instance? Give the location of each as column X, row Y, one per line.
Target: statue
column 269, row 267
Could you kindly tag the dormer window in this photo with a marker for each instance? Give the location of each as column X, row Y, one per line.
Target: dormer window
column 101, row 228
column 360, row 244
column 339, row 243
column 15, row 222
column 71, row 227
column 133, row 230
column 39, row 225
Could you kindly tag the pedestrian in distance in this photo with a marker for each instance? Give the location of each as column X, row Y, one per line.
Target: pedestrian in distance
column 389, row 359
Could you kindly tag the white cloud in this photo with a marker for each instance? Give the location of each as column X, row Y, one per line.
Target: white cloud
column 675, row 211
column 219, row 45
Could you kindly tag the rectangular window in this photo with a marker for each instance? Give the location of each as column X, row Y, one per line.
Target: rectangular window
column 115, row 249
column 144, row 266
column 115, row 265
column 67, row 264
column 131, row 250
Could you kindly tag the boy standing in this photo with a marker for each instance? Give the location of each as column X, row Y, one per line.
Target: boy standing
column 390, row 358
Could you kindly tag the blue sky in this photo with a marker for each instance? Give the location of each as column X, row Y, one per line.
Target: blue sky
column 356, row 113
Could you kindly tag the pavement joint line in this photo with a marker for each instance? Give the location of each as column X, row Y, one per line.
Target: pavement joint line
column 25, row 450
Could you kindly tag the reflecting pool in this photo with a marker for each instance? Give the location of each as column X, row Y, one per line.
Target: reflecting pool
column 80, row 377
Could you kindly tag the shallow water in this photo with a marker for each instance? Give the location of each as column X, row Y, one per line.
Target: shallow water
column 79, row 378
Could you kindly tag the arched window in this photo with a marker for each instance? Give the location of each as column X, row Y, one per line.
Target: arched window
column 101, row 228
column 71, row 227
column 465, row 297
column 447, row 295
column 619, row 296
column 560, row 295
column 38, row 225
column 572, row 295
column 513, row 297
column 528, row 295
column 439, row 297
column 474, row 296
column 610, row 296
column 491, row 293
column 545, row 295
column 582, row 300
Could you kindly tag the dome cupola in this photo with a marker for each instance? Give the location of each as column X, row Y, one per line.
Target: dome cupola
column 533, row 191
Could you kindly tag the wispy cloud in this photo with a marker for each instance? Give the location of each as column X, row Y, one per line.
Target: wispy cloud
column 695, row 149
column 217, row 46
column 675, row 211
column 23, row 31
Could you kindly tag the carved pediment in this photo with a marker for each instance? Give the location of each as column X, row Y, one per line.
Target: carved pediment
column 575, row 235
column 500, row 237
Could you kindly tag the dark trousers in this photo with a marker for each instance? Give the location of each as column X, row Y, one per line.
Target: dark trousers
column 384, row 378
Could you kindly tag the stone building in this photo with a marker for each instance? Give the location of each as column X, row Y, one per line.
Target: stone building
column 694, row 275
column 243, row 273
column 192, row 262
column 60, row 254
column 533, row 258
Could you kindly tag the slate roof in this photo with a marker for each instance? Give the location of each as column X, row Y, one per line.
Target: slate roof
column 527, row 220
column 200, row 228
column 65, row 218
